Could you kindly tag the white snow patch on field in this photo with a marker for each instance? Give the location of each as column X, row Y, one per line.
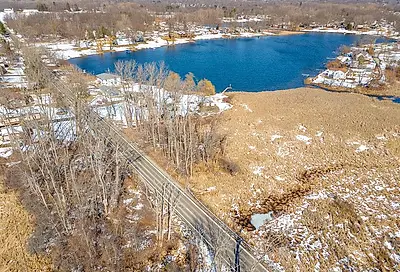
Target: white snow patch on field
column 5, row 152
column 257, row 170
column 246, row 107
column 362, row 148
column 304, row 138
column 381, row 137
column 302, row 128
column 210, row 189
column 275, row 137
column 128, row 201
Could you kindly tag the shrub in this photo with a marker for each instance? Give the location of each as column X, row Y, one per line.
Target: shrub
column 229, row 166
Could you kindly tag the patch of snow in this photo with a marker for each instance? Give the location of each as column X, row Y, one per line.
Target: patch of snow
column 381, row 137
column 320, row 195
column 246, row 107
column 210, row 189
column 303, row 138
column 128, row 201
column 258, row 170
column 275, row 137
column 361, row 148
column 302, row 128
column 5, row 152
column 139, row 206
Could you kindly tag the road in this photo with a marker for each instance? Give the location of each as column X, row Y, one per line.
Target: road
column 215, row 233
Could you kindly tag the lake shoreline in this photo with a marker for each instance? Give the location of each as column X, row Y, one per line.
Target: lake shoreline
column 68, row 51
column 159, row 43
column 388, row 94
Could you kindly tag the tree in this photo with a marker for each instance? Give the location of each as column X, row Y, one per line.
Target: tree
column 172, row 82
column 189, row 82
column 2, row 28
column 206, row 87
column 42, row 7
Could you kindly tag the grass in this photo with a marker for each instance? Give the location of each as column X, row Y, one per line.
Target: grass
column 15, row 229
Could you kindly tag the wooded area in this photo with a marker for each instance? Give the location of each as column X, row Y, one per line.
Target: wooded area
column 75, row 180
column 161, row 109
column 132, row 18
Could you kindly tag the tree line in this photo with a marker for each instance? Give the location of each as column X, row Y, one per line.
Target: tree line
column 165, row 109
column 131, row 17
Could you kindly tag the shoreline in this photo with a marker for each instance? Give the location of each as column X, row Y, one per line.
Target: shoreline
column 68, row 50
column 381, row 97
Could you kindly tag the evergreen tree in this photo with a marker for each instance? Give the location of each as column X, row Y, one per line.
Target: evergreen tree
column 2, row 29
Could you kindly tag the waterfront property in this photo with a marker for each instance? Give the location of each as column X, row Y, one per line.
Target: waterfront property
column 364, row 66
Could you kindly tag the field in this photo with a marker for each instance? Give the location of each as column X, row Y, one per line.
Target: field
column 16, row 226
column 327, row 166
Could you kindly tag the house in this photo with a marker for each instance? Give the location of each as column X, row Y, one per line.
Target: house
column 109, row 91
column 108, row 79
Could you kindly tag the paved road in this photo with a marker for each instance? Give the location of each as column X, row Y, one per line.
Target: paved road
column 201, row 221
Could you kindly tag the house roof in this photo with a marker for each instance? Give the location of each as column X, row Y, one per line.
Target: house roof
column 106, row 76
column 109, row 90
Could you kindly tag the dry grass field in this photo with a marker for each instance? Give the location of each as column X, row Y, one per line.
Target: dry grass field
column 326, row 164
column 16, row 226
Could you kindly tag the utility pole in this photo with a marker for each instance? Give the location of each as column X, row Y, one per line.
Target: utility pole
column 237, row 252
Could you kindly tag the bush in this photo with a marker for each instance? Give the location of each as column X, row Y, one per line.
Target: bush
column 206, row 87
column 229, row 166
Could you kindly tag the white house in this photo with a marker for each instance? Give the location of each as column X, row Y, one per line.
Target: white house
column 108, row 79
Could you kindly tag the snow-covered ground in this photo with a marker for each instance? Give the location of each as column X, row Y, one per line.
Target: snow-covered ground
column 69, row 49
column 383, row 32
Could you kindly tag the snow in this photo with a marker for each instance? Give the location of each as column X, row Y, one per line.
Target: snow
column 139, row 206
column 128, row 201
column 210, row 189
column 362, row 148
column 69, row 50
column 5, row 152
column 218, row 100
column 381, row 137
column 257, row 170
column 275, row 137
column 302, row 128
column 303, row 138
column 246, row 107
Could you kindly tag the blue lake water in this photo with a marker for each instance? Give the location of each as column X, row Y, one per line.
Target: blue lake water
column 248, row 64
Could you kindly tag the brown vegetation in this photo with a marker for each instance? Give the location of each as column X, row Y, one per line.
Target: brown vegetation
column 16, row 226
column 352, row 143
column 167, row 120
column 76, row 179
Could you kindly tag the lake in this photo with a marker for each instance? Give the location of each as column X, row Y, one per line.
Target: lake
column 248, row 64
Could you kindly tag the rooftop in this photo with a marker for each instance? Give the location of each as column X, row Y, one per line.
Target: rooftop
column 106, row 76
